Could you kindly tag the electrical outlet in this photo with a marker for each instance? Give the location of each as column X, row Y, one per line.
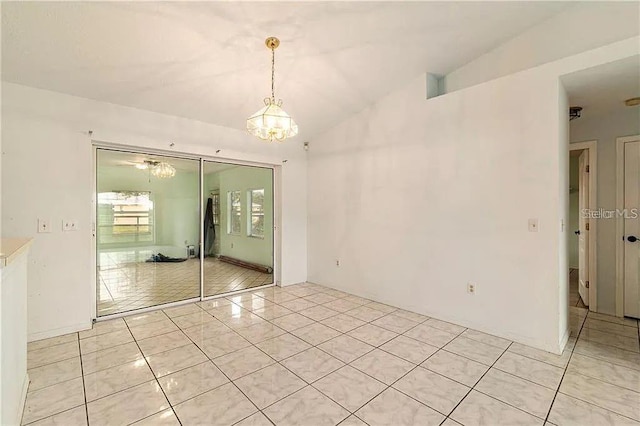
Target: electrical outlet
column 74, row 225
column 69, row 225
column 44, row 226
column 337, row 262
column 471, row 288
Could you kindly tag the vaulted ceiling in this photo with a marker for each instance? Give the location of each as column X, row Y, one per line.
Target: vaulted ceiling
column 207, row 60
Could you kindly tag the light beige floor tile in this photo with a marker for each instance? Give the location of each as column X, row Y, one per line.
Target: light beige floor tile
column 411, row 316
column 474, row 350
column 243, row 320
column 345, row 348
column 105, row 341
column 190, row 308
column 343, row 323
column 56, row 372
column 315, row 333
column 210, row 330
column 609, row 327
column 156, row 328
column 213, row 303
column 478, row 409
column 342, row 305
column 365, row 313
column 111, row 357
column 385, row 309
column 372, row 334
column 432, row 389
column 164, row 342
column 568, row 411
column 352, row 421
column 243, row 362
column 224, row 344
column 616, row 320
column 349, row 387
column 163, row 418
column 320, row 298
column 395, row 323
column 456, row 367
column 548, row 357
column 312, row 364
column 604, row 395
column 520, row 393
column 410, row 349
column 115, row 379
column 192, row 381
column 446, row 326
column 52, row 400
column 530, row 369
column 119, row 409
column 392, row 408
column 257, row 419
column 144, row 318
column 74, row 417
column 608, row 353
column 271, row 384
column 430, row 335
column 292, row 322
column 486, row 338
column 260, row 332
column 273, row 311
column 51, row 354
column 176, row 359
column 450, row 422
column 193, row 319
column 318, row 312
column 283, row 346
column 103, row 327
column 224, row 405
column 607, row 372
column 53, row 341
column 383, row 366
column 607, row 338
column 356, row 299
column 306, row 407
column 297, row 305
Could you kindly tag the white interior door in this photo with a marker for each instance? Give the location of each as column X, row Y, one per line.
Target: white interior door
column 583, row 236
column 632, row 230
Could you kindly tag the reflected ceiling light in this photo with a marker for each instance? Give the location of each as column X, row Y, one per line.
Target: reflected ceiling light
column 163, row 170
column 272, row 122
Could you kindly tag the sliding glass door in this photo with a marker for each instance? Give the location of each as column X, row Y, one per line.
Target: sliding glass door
column 147, row 230
column 238, row 227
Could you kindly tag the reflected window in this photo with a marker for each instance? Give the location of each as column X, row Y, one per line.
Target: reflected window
column 234, row 224
column 256, row 219
column 125, row 217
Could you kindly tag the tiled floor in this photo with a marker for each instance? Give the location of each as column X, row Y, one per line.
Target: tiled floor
column 126, row 286
column 574, row 295
column 309, row 355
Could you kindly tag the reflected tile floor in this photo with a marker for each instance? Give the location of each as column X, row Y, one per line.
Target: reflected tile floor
column 310, row 355
column 127, row 285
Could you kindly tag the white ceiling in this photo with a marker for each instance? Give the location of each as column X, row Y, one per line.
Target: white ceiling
column 603, row 89
column 207, row 60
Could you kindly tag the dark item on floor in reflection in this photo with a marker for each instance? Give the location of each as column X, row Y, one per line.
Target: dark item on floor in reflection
column 209, row 229
column 162, row 258
column 248, row 265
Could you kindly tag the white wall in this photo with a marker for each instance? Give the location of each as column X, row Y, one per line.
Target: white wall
column 47, row 173
column 417, row 198
column 605, row 129
column 581, row 27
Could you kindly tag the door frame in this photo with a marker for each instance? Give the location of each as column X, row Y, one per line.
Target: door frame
column 277, row 217
column 619, row 221
column 592, row 147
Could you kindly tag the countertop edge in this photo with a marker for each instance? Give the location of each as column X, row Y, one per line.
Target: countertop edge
column 13, row 248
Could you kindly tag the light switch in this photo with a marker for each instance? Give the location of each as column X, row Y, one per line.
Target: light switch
column 533, row 225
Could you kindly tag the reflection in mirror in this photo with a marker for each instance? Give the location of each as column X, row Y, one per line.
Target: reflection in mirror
column 238, row 227
column 147, row 230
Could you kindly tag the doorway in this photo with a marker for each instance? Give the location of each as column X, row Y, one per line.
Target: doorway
column 582, row 225
column 628, row 227
column 171, row 229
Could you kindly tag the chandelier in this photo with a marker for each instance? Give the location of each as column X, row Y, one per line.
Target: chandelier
column 272, row 122
column 163, row 170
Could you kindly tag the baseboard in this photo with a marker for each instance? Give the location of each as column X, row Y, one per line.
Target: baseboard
column 563, row 342
column 59, row 331
column 302, row 282
column 23, row 399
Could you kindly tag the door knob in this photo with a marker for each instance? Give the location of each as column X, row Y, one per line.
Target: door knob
column 632, row 238
column 577, row 232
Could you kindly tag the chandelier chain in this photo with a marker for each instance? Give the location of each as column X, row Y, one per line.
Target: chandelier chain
column 273, row 73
